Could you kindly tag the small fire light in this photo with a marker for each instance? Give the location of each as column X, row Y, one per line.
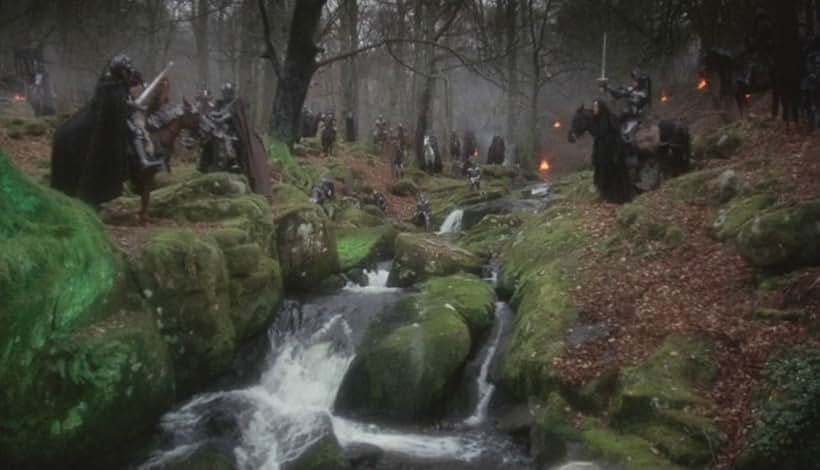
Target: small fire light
column 475, row 154
column 702, row 84
column 19, row 98
column 556, row 125
column 664, row 97
column 544, row 166
column 748, row 96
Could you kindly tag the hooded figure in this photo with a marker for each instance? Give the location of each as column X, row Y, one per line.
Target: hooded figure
column 90, row 155
column 611, row 175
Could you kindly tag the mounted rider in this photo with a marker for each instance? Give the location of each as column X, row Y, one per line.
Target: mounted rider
column 638, row 96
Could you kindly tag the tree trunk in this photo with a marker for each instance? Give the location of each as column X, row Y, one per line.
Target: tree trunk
column 201, row 33
column 512, row 67
column 348, row 23
column 297, row 72
column 423, row 119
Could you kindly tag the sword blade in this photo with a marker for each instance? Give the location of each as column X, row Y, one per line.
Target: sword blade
column 603, row 61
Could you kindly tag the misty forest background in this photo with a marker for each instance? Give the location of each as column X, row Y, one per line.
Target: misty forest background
column 498, row 67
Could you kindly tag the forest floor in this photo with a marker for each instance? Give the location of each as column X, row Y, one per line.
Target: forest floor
column 701, row 287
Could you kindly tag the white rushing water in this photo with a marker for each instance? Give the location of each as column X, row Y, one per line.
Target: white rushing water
column 452, row 224
column 376, row 281
column 484, row 386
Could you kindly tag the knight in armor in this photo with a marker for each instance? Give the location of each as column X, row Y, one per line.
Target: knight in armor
column 95, row 150
column 474, row 176
column 229, row 142
column 424, row 211
column 637, row 95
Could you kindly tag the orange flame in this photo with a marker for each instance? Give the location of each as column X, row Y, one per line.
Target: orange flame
column 664, row 97
column 556, row 124
column 748, row 96
column 19, row 98
column 475, row 154
column 544, row 166
column 702, row 84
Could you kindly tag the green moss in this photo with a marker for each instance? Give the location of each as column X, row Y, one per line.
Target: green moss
column 184, row 281
column 729, row 220
column 787, row 416
column 628, row 450
column 88, row 393
column 406, row 374
column 467, row 295
column 783, row 238
column 491, row 234
column 419, row 257
column 307, row 247
column 404, row 188
column 283, row 163
column 720, row 144
column 696, row 187
column 358, row 246
column 576, row 187
column 668, row 379
column 356, row 217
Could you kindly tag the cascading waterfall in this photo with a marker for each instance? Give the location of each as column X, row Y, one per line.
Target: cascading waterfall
column 273, row 422
column 452, row 224
column 484, row 387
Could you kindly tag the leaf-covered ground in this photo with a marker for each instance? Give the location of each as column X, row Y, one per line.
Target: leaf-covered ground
column 641, row 285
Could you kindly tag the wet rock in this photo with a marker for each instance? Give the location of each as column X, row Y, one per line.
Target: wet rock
column 204, row 458
column 359, row 246
column 364, row 455
column 419, row 257
column 410, row 360
column 324, row 454
column 783, row 238
column 306, row 240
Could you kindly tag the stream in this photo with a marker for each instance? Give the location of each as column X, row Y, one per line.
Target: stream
column 275, row 419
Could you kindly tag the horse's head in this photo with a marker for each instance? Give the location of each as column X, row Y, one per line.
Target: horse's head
column 581, row 123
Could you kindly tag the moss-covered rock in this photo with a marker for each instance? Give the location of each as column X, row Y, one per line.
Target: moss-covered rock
column 356, row 217
column 783, row 238
column 786, row 432
column 408, row 364
column 404, row 188
column 721, row 143
column 307, row 247
column 185, row 281
column 325, row 454
column 668, row 379
column 631, row 451
column 491, row 234
column 420, row 256
column 533, row 274
column 76, row 377
column 360, row 246
column 88, row 394
column 729, row 220
column 553, row 427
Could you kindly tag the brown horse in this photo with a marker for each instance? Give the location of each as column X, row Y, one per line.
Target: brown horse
column 163, row 138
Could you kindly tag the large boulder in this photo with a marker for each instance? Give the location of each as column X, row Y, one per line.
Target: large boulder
column 306, row 240
column 729, row 220
column 410, row 361
column 783, row 238
column 359, row 246
column 77, row 377
column 419, row 257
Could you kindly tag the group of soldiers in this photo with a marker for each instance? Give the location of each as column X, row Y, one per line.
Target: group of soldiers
column 117, row 136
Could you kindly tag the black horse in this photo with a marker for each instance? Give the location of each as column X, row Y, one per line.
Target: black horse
column 737, row 75
column 614, row 178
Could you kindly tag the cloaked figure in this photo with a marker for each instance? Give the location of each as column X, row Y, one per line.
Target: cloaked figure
column 611, row 174
column 96, row 149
